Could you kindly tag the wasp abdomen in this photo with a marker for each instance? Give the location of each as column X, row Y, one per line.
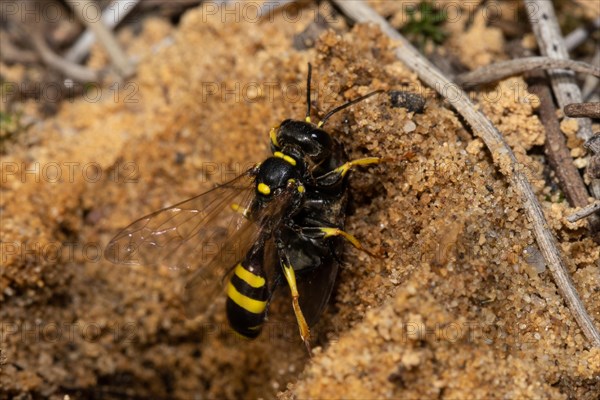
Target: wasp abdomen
column 247, row 295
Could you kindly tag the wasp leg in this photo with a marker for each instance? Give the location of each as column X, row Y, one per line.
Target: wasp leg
column 334, row 176
column 273, row 136
column 325, row 232
column 290, row 276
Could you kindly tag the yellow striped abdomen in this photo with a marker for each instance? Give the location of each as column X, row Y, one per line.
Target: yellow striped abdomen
column 247, row 295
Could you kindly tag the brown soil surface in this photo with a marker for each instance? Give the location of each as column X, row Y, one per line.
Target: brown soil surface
column 462, row 306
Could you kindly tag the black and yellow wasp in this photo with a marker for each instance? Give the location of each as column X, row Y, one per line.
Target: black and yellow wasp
column 281, row 220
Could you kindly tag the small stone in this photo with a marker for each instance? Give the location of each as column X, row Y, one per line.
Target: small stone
column 409, row 126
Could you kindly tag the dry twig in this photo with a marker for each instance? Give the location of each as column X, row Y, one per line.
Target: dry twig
column 585, row 212
column 589, row 89
column 501, row 153
column 74, row 71
column 150, row 4
column 111, row 17
column 264, row 11
column 501, row 70
column 12, row 54
column 579, row 35
column 581, row 110
column 104, row 35
column 551, row 43
column 555, row 145
column 558, row 153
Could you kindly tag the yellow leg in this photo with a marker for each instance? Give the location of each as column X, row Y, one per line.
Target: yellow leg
column 273, row 136
column 334, row 176
column 290, row 276
column 350, row 238
column 343, row 169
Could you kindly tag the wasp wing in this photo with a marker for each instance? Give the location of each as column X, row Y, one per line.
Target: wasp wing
column 256, row 230
column 207, row 282
column 315, row 288
column 188, row 234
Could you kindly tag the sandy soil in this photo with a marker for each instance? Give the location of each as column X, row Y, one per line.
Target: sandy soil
column 462, row 306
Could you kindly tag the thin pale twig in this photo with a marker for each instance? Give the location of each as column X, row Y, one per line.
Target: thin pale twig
column 74, row 71
column 579, row 35
column 104, row 35
column 585, row 212
column 111, row 17
column 503, row 69
column 591, row 83
column 501, row 154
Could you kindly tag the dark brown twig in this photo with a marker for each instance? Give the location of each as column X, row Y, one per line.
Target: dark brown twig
column 12, row 54
column 583, row 110
column 555, row 145
column 501, row 70
column 501, row 154
column 558, row 153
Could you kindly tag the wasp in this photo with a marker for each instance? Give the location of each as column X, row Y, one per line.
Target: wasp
column 281, row 221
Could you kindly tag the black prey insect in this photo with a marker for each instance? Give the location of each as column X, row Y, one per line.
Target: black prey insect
column 280, row 221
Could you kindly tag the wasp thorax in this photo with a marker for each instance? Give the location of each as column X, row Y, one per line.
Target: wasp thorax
column 314, row 143
column 274, row 174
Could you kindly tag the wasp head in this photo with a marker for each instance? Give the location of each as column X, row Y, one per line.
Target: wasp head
column 303, row 140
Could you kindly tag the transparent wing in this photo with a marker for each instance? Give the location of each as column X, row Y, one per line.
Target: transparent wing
column 187, row 235
column 203, row 234
column 205, row 283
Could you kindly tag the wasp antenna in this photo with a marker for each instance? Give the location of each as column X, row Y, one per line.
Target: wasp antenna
column 348, row 104
column 308, row 92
